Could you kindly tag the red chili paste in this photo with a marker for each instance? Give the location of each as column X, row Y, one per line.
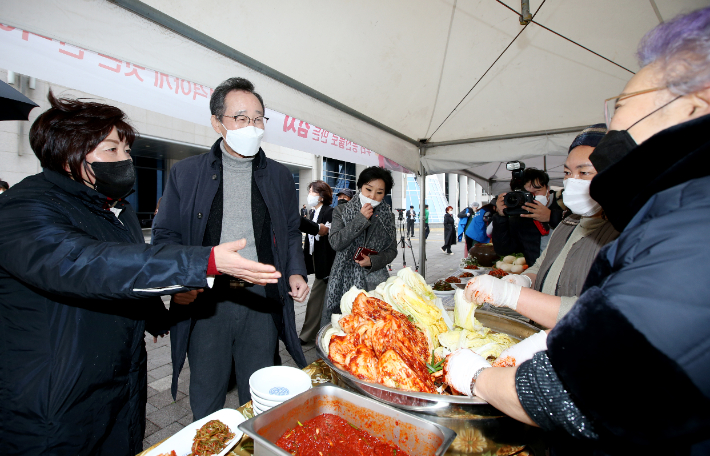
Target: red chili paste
column 330, row 435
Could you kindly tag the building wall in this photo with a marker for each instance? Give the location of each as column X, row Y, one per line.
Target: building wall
column 453, row 195
column 463, row 192
column 305, row 178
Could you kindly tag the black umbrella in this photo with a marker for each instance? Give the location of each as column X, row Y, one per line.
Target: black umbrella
column 14, row 105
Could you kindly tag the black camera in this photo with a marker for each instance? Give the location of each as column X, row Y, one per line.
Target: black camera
column 401, row 214
column 515, row 200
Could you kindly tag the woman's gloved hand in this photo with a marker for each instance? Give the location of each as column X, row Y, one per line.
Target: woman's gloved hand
column 523, row 351
column 496, row 292
column 518, row 279
column 459, row 368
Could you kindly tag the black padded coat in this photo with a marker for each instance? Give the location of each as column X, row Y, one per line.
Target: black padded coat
column 75, row 299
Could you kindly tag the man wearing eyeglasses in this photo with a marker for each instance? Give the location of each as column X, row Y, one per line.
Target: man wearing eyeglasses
column 234, row 192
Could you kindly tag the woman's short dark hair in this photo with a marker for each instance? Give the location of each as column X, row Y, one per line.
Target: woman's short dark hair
column 65, row 133
column 536, row 176
column 373, row 173
column 323, row 190
column 220, row 93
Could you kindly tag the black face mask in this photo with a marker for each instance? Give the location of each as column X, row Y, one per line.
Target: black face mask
column 114, row 179
column 613, row 147
column 342, row 201
column 617, row 143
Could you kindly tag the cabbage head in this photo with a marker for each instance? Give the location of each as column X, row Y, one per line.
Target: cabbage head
column 346, row 302
column 417, row 283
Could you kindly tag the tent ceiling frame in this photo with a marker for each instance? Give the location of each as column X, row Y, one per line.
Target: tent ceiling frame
column 141, row 9
column 527, row 134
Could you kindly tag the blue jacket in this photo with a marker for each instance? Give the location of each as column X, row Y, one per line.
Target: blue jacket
column 646, row 300
column 182, row 219
column 462, row 224
column 476, row 230
column 72, row 318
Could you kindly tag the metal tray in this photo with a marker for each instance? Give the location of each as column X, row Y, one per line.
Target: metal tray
column 413, row 434
column 434, row 404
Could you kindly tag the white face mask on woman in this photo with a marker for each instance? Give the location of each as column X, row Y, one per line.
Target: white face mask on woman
column 244, row 141
column 313, row 200
column 364, row 200
column 576, row 197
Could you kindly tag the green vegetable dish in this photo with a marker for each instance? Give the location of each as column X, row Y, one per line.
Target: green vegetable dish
column 442, row 285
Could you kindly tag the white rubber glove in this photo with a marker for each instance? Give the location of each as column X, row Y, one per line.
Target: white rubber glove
column 523, row 351
column 518, row 279
column 459, row 368
column 496, row 292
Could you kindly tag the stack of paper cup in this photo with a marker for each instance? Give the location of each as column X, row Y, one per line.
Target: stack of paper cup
column 273, row 385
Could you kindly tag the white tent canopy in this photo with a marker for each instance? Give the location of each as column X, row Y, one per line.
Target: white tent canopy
column 486, row 164
column 384, row 74
column 387, row 74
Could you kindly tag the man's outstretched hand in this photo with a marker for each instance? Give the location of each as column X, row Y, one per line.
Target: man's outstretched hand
column 229, row 262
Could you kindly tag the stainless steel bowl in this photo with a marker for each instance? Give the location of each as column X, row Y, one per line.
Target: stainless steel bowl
column 434, row 404
column 413, row 434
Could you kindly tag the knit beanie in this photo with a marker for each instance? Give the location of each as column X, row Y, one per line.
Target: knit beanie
column 590, row 136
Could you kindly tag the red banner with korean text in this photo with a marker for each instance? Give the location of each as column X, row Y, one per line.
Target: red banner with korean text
column 109, row 77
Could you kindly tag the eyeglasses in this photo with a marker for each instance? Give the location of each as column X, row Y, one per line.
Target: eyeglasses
column 243, row 121
column 609, row 108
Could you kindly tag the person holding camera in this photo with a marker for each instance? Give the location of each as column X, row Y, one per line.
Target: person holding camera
column 641, row 324
column 364, row 236
column 557, row 277
column 522, row 216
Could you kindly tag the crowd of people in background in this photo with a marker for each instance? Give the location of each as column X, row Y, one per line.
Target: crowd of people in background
column 614, row 272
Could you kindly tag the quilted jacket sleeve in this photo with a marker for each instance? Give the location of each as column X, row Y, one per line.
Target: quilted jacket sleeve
column 40, row 246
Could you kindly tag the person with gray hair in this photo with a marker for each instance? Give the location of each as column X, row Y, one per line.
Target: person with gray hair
column 641, row 324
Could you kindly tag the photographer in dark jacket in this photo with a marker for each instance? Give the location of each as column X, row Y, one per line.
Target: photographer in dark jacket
column 318, row 254
column 79, row 286
column 523, row 233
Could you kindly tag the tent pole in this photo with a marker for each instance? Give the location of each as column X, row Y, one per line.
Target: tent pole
column 422, row 240
column 544, row 163
column 528, row 134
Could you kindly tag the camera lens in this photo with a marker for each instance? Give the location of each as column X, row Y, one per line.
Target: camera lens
column 512, row 199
